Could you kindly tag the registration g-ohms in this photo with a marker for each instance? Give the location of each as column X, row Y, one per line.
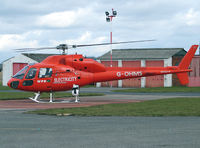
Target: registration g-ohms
column 119, row 74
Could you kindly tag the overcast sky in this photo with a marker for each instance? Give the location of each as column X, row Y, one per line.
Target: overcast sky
column 44, row 23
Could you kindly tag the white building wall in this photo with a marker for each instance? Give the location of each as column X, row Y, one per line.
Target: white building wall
column 143, row 79
column 6, row 71
column 8, row 66
column 120, row 81
column 168, row 78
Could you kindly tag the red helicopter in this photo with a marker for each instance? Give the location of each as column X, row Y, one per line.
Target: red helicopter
column 69, row 72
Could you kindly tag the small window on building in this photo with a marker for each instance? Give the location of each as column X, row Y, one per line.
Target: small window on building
column 31, row 73
column 45, row 73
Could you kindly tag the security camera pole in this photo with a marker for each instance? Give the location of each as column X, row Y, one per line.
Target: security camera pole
column 109, row 18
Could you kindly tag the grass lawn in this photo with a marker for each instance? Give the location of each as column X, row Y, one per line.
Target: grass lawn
column 4, row 87
column 161, row 90
column 163, row 107
column 25, row 95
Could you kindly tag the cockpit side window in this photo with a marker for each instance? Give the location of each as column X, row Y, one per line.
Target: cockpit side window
column 31, row 73
column 45, row 73
column 21, row 73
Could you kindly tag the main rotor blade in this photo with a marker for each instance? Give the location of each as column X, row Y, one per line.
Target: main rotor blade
column 84, row 45
column 65, row 46
column 33, row 49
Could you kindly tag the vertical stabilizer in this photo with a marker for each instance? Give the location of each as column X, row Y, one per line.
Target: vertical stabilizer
column 183, row 78
column 188, row 58
column 185, row 63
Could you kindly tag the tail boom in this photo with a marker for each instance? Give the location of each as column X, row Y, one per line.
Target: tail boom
column 119, row 73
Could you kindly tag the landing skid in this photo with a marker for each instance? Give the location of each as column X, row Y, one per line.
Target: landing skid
column 37, row 99
column 77, row 100
column 37, row 96
column 75, row 93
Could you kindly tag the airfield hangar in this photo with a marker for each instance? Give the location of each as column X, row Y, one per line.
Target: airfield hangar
column 150, row 57
column 145, row 57
column 14, row 64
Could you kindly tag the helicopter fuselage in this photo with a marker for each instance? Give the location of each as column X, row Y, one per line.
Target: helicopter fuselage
column 61, row 72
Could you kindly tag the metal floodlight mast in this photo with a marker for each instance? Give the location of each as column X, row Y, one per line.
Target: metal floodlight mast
column 199, row 48
column 109, row 18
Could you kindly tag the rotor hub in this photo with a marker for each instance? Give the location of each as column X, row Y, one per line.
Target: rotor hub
column 62, row 47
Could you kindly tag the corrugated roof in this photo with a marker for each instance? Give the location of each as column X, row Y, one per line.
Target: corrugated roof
column 143, row 53
column 37, row 57
column 7, row 60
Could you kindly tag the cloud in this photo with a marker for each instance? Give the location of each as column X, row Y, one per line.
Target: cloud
column 13, row 41
column 191, row 17
column 174, row 23
column 57, row 19
column 64, row 18
column 86, row 38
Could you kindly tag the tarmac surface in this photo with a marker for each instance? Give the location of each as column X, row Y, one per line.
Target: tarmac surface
column 20, row 130
column 61, row 103
column 110, row 97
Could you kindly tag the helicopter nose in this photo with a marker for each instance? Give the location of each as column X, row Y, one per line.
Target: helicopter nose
column 8, row 83
column 13, row 84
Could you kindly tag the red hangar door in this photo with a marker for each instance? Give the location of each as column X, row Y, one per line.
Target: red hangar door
column 18, row 66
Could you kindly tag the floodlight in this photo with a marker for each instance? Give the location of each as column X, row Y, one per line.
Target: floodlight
column 107, row 13
column 107, row 19
column 114, row 13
